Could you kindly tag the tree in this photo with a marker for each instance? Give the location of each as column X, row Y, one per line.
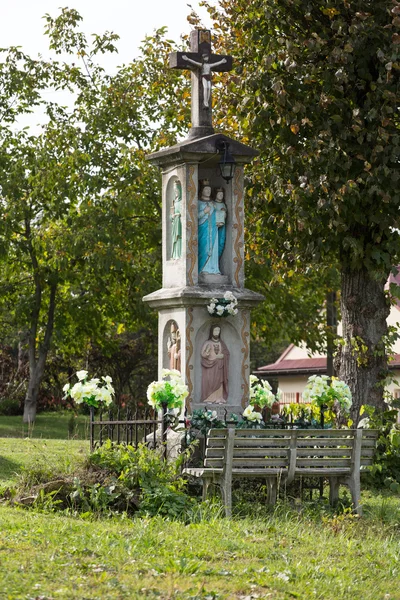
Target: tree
column 80, row 214
column 318, row 94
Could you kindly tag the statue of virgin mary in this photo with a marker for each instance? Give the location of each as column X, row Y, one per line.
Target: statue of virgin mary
column 208, row 232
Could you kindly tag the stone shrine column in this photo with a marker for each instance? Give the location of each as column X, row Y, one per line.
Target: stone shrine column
column 203, row 252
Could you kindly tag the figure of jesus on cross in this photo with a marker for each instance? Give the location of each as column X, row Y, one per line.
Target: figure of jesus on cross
column 205, row 67
column 201, row 62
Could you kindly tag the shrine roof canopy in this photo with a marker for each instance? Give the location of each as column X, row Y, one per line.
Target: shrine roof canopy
column 205, row 149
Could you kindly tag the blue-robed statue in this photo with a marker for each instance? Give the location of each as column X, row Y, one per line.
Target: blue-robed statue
column 212, row 216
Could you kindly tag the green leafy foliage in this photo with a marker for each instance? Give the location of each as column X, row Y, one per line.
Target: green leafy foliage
column 386, row 468
column 317, row 94
column 80, row 227
column 143, row 479
column 202, row 420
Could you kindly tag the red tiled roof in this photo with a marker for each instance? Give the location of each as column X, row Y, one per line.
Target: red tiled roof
column 301, row 364
column 305, row 366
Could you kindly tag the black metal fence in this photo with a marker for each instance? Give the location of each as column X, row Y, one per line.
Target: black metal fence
column 124, row 426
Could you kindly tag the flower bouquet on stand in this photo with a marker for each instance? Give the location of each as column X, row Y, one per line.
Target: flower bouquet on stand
column 263, row 399
column 332, row 398
column 92, row 392
column 169, row 393
column 252, row 419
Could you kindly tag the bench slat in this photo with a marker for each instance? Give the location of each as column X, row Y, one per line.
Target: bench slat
column 328, row 463
column 262, row 433
column 325, row 442
column 321, row 472
column 324, row 433
column 264, row 442
column 367, row 451
column 253, row 462
column 327, row 452
column 259, row 452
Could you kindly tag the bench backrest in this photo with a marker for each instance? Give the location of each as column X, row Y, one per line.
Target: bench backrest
column 252, row 448
column 285, row 449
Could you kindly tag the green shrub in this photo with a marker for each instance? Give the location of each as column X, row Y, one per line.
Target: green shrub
column 386, row 467
column 142, row 480
column 10, row 407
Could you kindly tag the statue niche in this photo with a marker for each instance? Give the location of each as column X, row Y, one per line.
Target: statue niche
column 176, row 220
column 212, row 228
column 174, row 347
column 214, row 368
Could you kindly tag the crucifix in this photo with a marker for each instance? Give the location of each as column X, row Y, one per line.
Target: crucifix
column 201, row 62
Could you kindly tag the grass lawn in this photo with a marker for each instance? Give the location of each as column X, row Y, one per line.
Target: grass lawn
column 296, row 551
column 62, row 425
column 51, row 455
column 280, row 557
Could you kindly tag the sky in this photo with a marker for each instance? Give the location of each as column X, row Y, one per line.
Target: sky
column 21, row 21
column 22, row 24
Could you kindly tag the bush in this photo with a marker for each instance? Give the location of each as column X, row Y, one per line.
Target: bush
column 143, row 480
column 10, row 407
column 386, row 467
column 116, row 478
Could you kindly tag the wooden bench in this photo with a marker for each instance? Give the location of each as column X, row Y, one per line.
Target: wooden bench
column 279, row 455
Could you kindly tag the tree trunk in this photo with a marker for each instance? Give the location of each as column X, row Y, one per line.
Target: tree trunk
column 31, row 397
column 361, row 360
column 36, row 366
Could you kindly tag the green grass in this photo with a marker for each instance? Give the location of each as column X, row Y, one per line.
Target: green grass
column 297, row 551
column 282, row 556
column 17, row 455
column 51, row 425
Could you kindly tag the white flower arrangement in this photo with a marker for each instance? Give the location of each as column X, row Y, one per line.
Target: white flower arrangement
column 92, row 392
column 251, row 415
column 170, row 392
column 320, row 392
column 223, row 307
column 261, row 393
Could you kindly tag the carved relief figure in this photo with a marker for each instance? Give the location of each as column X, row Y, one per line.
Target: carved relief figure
column 214, row 368
column 220, row 217
column 175, row 216
column 174, row 347
column 205, row 67
column 208, row 232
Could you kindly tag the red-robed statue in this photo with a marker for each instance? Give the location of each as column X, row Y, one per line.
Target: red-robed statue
column 214, row 368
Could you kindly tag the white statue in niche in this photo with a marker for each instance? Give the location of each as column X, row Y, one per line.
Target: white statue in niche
column 220, row 217
column 214, row 368
column 174, row 347
column 176, row 219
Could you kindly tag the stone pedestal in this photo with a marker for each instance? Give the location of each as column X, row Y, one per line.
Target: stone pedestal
column 182, row 301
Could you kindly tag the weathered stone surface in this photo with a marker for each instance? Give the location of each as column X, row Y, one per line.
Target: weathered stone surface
column 185, row 293
column 201, row 149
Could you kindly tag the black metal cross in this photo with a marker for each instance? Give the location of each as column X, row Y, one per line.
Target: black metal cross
column 201, row 62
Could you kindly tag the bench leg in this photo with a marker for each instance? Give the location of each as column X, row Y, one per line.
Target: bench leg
column 271, row 491
column 355, row 490
column 333, row 491
column 226, row 490
column 206, row 483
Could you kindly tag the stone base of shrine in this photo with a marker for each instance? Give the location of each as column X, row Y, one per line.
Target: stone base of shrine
column 183, row 314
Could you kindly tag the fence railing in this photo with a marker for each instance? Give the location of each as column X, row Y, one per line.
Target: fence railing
column 291, row 398
column 129, row 427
